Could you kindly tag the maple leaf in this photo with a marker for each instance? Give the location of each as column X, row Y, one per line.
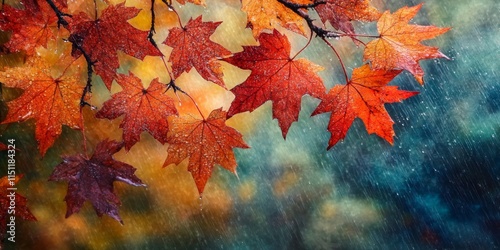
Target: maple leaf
column 102, row 38
column 363, row 96
column 267, row 14
column 275, row 76
column 399, row 44
column 340, row 13
column 144, row 109
column 92, row 179
column 3, row 147
column 206, row 142
column 20, row 207
column 192, row 48
column 31, row 27
column 51, row 102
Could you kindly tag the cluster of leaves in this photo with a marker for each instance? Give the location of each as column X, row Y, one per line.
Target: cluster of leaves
column 56, row 99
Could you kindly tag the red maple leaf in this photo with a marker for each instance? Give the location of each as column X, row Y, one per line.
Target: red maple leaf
column 51, row 102
column 206, row 142
column 192, row 48
column 31, row 27
column 399, row 44
column 275, row 76
column 340, row 13
column 7, row 207
column 363, row 96
column 102, row 38
column 144, row 109
column 92, row 179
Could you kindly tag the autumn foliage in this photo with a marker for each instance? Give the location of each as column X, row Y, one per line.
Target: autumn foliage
column 57, row 85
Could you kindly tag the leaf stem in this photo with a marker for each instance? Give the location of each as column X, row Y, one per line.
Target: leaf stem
column 171, row 85
column 95, row 10
column 340, row 59
column 305, row 46
column 168, row 70
column 354, row 37
column 171, row 7
column 175, row 88
column 196, row 105
column 360, row 35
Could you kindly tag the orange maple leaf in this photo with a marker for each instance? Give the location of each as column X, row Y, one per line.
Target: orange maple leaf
column 340, row 13
column 51, row 102
column 363, row 96
column 192, row 48
column 275, row 76
column 399, row 44
column 31, row 27
column 92, row 179
column 102, row 38
column 206, row 142
column 144, row 109
column 268, row 14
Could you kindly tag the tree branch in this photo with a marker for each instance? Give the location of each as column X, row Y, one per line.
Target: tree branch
column 298, row 9
column 152, row 29
column 60, row 15
column 76, row 41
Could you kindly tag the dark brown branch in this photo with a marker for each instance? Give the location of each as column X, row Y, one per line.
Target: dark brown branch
column 298, row 9
column 76, row 41
column 152, row 30
column 60, row 15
